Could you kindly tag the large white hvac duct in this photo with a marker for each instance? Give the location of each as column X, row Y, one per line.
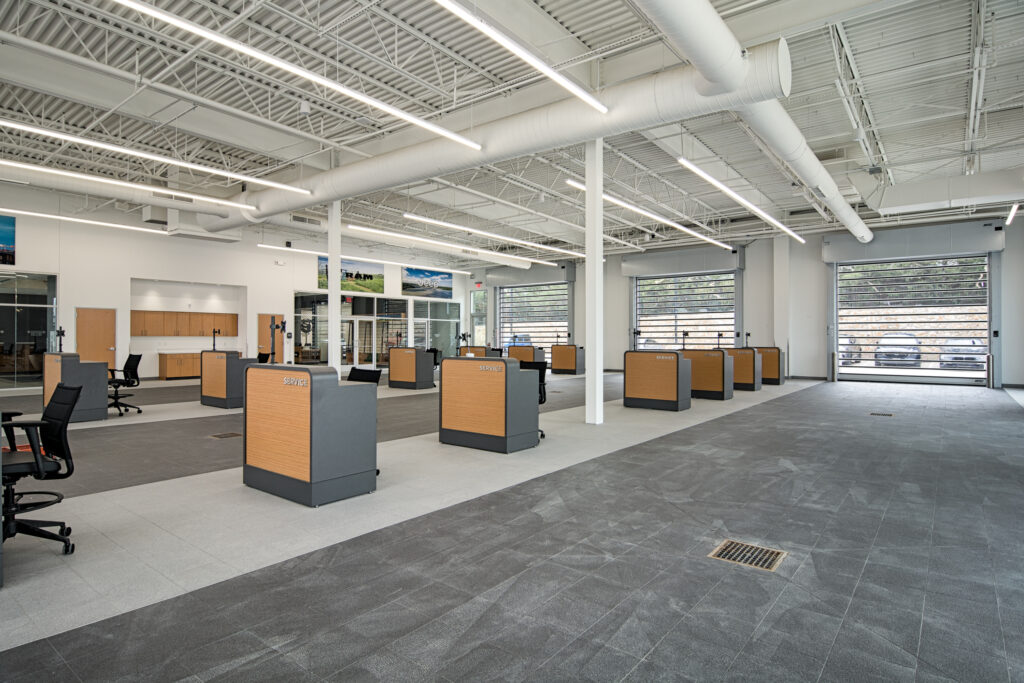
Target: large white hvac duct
column 649, row 101
column 695, row 29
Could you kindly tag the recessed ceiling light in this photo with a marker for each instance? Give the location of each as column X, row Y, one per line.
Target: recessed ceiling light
column 474, row 231
column 220, row 39
column 121, row 183
column 653, row 216
column 1013, row 212
column 521, row 52
column 85, row 221
column 724, row 189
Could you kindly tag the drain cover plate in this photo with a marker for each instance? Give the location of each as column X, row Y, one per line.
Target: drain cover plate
column 749, row 555
column 226, row 435
column 880, row 414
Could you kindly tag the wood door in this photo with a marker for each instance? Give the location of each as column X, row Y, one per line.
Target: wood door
column 263, row 335
column 96, row 334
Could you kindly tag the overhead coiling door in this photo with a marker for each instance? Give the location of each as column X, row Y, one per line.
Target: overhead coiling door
column 695, row 311
column 534, row 315
column 920, row 320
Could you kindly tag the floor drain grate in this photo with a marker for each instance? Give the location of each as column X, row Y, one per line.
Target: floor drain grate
column 225, row 435
column 749, row 555
column 880, row 414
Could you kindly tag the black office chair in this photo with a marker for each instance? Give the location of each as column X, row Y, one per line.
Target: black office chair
column 542, row 368
column 50, row 459
column 129, row 378
column 262, row 357
column 364, row 375
column 437, row 356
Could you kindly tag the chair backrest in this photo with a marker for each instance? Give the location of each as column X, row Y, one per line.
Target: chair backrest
column 262, row 357
column 437, row 355
column 57, row 415
column 131, row 368
column 542, row 369
column 364, row 375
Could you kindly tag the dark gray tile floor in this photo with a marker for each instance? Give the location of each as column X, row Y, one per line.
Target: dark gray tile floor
column 905, row 563
column 121, row 455
column 150, row 393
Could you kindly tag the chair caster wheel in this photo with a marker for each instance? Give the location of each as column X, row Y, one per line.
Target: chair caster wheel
column 65, row 531
column 139, row 410
column 69, row 548
column 378, row 473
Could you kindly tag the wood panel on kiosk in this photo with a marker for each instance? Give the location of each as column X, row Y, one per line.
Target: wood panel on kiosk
column 403, row 365
column 215, row 374
column 473, row 400
column 96, row 334
column 521, row 353
column 652, row 375
column 51, row 375
column 478, row 351
column 706, row 372
column 563, row 357
column 277, row 422
column 743, row 365
column 769, row 362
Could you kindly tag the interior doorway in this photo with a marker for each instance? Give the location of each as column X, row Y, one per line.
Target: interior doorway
column 96, row 335
column 263, row 344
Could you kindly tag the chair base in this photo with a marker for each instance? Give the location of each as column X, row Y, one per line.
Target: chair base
column 12, row 526
column 117, row 402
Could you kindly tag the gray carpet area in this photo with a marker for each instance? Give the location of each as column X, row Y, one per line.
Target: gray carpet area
column 114, row 457
column 903, row 533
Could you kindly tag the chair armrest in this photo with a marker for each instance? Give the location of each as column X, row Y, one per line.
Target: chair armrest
column 113, row 372
column 31, row 428
column 6, row 415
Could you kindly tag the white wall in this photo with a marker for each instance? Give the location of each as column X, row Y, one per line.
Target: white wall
column 95, row 267
column 617, row 323
column 757, row 294
column 808, row 309
column 1012, row 331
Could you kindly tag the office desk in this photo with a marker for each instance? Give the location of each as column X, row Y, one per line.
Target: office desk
column 530, row 354
column 656, row 379
column 90, row 375
column 746, row 365
column 567, row 359
column 711, row 373
column 411, row 368
column 773, row 364
column 480, row 351
column 223, row 374
column 489, row 403
column 307, row 437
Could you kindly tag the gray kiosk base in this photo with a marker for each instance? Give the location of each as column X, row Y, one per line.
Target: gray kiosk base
column 313, row 494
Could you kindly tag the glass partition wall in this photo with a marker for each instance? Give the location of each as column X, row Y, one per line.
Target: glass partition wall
column 28, row 323
column 372, row 326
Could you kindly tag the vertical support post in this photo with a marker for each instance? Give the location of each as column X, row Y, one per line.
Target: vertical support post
column 594, row 300
column 334, row 285
column 780, row 295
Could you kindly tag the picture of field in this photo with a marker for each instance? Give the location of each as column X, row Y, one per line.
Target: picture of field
column 430, row 283
column 6, row 240
column 356, row 276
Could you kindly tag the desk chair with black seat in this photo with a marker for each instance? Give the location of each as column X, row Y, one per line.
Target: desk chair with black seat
column 50, row 458
column 262, row 357
column 437, row 356
column 542, row 368
column 129, row 378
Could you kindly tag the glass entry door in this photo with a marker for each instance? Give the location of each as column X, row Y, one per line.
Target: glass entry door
column 364, row 342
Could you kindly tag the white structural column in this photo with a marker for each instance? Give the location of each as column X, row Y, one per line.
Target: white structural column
column 334, row 285
column 780, row 293
column 595, row 282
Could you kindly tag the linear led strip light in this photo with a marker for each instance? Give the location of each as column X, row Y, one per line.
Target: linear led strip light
column 450, row 245
column 1013, row 212
column 85, row 221
column 520, row 52
column 5, row 123
column 366, row 258
column 474, row 231
column 132, row 186
column 259, row 55
column 653, row 216
column 722, row 187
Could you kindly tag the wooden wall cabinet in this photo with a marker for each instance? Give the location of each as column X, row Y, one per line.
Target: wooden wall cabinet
column 179, row 365
column 182, row 324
